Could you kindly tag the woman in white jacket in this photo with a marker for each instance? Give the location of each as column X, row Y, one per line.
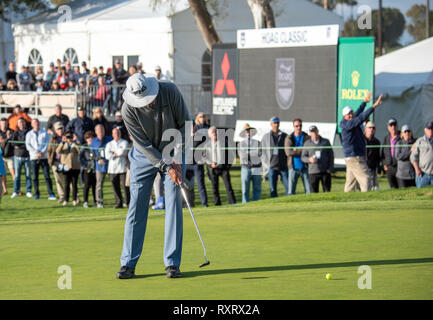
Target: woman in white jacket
column 116, row 151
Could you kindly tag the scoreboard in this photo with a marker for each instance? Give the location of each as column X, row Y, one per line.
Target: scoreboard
column 289, row 73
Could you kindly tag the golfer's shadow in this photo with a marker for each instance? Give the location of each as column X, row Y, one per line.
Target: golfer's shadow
column 207, row 272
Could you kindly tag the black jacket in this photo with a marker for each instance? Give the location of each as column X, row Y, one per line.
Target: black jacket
column 195, row 144
column 387, row 159
column 119, row 76
column 21, row 150
column 87, row 158
column 64, row 119
column 6, row 146
column 373, row 154
column 123, row 131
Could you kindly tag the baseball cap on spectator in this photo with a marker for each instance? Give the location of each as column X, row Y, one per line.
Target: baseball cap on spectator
column 312, row 128
column 370, row 124
column 81, row 80
column 392, row 121
column 118, row 114
column 117, row 60
column 429, row 125
column 58, row 125
column 51, row 64
column 157, row 68
column 84, row 63
column 275, row 119
column 347, row 110
column 405, row 128
column 80, row 108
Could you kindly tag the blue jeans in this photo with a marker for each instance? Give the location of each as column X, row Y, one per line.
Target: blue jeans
column 141, row 182
column 199, row 177
column 247, row 177
column 273, row 179
column 426, row 180
column 19, row 162
column 294, row 174
column 115, row 96
column 35, row 165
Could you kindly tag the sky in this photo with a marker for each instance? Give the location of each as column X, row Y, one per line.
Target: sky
column 402, row 5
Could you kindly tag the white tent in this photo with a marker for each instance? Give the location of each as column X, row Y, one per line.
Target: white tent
column 100, row 30
column 405, row 78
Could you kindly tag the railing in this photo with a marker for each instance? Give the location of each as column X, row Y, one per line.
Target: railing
column 196, row 98
column 108, row 97
column 38, row 103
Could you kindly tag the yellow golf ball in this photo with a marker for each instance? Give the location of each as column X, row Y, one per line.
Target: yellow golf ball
column 328, row 276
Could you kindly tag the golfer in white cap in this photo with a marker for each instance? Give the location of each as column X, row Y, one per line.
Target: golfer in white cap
column 151, row 107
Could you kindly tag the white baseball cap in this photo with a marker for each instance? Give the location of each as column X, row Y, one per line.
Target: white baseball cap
column 347, row 110
column 141, row 90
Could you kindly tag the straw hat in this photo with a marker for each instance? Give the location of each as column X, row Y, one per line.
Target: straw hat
column 253, row 131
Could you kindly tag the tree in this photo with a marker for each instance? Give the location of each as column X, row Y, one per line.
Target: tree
column 417, row 29
column 263, row 13
column 10, row 7
column 332, row 4
column 204, row 22
column 202, row 16
column 393, row 24
column 58, row 3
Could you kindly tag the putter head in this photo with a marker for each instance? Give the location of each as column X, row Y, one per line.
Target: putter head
column 205, row 264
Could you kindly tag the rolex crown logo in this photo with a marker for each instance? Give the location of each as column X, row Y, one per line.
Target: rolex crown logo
column 355, row 78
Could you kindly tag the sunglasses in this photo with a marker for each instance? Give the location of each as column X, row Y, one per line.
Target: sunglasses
column 298, row 126
column 392, row 125
column 406, row 131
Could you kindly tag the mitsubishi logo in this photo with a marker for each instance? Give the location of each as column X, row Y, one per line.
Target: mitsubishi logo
column 225, row 83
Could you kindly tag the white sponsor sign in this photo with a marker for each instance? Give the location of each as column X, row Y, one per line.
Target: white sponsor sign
column 326, row 130
column 224, row 106
column 288, row 37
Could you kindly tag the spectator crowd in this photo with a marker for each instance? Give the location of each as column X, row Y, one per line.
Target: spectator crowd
column 85, row 150
column 95, row 87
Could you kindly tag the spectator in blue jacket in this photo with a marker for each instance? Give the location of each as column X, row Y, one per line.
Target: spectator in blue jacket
column 101, row 163
column 80, row 125
column 24, row 80
column 354, row 145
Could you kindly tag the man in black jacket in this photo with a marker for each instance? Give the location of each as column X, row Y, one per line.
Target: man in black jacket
column 274, row 157
column 7, row 149
column 21, row 158
column 373, row 155
column 118, row 78
column 200, row 129
column 219, row 160
column 58, row 116
column 389, row 160
column 80, row 125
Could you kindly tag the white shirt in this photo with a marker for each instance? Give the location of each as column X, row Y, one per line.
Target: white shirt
column 116, row 164
column 37, row 142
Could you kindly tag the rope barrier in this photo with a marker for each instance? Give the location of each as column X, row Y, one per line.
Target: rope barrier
column 244, row 148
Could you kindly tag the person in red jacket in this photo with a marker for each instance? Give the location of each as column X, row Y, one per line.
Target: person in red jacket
column 63, row 78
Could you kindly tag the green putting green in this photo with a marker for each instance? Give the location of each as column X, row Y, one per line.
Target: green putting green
column 278, row 248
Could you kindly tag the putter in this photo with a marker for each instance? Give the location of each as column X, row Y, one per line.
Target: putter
column 207, row 262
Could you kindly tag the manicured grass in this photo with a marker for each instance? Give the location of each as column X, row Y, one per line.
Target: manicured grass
column 271, row 249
